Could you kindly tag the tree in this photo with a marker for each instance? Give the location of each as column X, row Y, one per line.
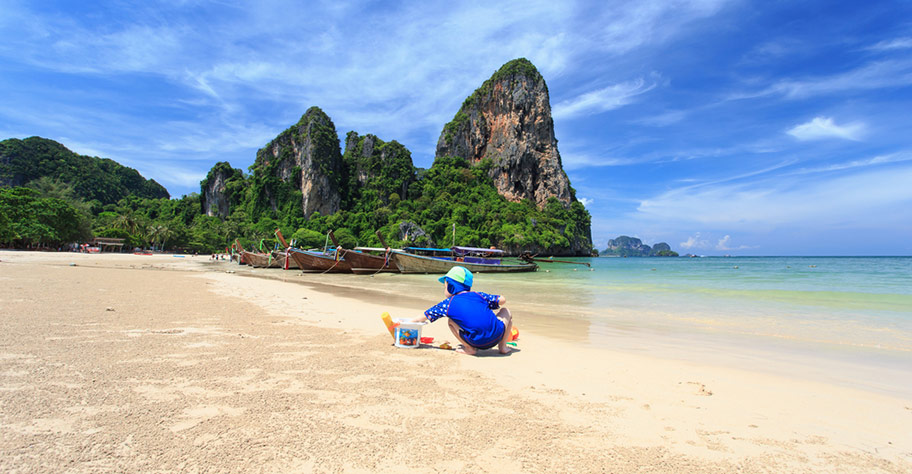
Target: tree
column 159, row 234
column 308, row 239
column 32, row 220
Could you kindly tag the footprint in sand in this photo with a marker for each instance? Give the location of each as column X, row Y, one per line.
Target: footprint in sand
column 702, row 390
column 196, row 415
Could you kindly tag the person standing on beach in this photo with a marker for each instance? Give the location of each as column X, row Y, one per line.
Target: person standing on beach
column 471, row 314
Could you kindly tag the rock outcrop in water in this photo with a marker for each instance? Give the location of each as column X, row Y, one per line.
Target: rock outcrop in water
column 625, row 246
column 508, row 120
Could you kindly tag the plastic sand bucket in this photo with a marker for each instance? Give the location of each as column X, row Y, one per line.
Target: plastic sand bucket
column 408, row 334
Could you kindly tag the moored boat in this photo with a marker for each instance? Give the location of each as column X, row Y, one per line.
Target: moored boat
column 313, row 261
column 285, row 261
column 261, row 260
column 476, row 260
column 283, row 256
column 363, row 262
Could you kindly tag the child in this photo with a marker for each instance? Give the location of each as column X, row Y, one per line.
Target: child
column 471, row 315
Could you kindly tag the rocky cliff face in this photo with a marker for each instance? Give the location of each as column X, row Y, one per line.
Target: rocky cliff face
column 215, row 195
column 508, row 120
column 306, row 156
column 371, row 163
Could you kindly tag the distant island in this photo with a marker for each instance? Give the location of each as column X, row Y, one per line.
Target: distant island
column 625, row 246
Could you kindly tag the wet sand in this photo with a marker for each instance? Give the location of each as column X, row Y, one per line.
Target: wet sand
column 138, row 363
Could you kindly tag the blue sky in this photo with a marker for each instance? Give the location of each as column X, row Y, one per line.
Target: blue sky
column 720, row 127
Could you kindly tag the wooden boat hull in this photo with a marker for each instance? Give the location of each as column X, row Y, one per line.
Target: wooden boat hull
column 363, row 263
column 408, row 263
column 261, row 260
column 310, row 262
column 284, row 259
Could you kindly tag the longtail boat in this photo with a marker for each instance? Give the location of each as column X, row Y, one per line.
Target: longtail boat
column 476, row 260
column 261, row 260
column 315, row 261
column 364, row 263
column 285, row 261
column 283, row 255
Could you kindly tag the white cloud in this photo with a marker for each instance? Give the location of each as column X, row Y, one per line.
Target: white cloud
column 873, row 197
column 871, row 76
column 575, row 161
column 602, row 100
column 897, row 157
column 625, row 26
column 585, row 201
column 723, row 243
column 694, row 242
column 825, row 127
column 897, row 43
column 662, row 120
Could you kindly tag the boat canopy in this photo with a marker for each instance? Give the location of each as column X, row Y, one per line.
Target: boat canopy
column 426, row 249
column 373, row 249
column 468, row 250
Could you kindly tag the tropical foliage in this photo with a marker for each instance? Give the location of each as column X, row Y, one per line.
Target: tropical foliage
column 381, row 190
column 92, row 179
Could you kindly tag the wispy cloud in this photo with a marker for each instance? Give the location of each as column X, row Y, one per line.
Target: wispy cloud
column 579, row 160
column 602, row 100
column 662, row 120
column 824, row 127
column 874, row 75
column 897, row 157
column 623, row 26
column 892, row 44
column 871, row 197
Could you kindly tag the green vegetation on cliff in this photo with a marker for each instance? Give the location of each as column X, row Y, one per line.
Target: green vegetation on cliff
column 274, row 186
column 300, row 183
column 381, row 190
column 92, row 179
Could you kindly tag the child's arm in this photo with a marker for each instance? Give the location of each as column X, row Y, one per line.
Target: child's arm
column 502, row 301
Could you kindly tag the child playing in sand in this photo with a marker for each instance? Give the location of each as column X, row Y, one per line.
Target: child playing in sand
column 471, row 315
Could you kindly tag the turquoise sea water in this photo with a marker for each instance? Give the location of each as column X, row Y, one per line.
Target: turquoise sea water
column 859, row 302
column 847, row 318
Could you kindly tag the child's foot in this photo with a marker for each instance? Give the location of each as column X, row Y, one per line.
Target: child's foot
column 465, row 350
column 505, row 349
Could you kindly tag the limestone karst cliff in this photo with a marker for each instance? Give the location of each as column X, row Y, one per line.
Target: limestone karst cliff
column 307, row 158
column 496, row 179
column 373, row 165
column 217, row 193
column 626, row 246
column 508, row 120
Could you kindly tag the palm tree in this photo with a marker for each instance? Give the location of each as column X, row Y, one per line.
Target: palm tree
column 127, row 222
column 160, row 234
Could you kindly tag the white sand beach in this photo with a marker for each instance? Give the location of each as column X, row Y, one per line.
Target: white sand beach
column 158, row 363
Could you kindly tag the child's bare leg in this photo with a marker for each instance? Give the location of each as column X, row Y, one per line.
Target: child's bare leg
column 466, row 348
column 507, row 318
